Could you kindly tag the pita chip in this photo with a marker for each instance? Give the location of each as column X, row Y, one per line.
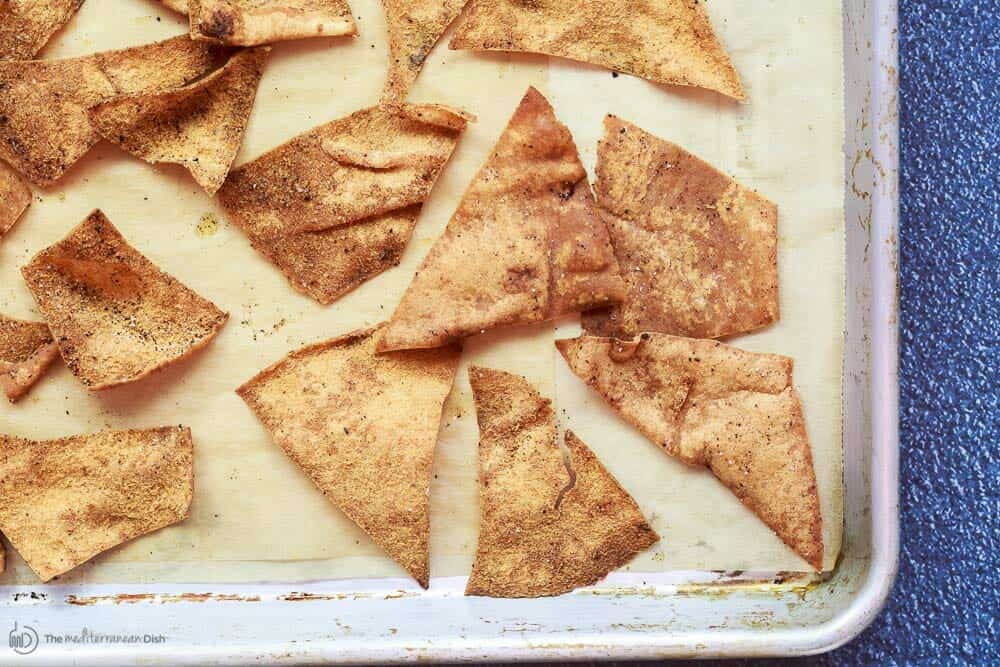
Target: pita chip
column 336, row 206
column 26, row 351
column 665, row 41
column 255, row 22
column 550, row 523
column 414, row 26
column 199, row 126
column 45, row 103
column 179, row 6
column 756, row 444
column 525, row 245
column 115, row 316
column 698, row 251
column 363, row 427
column 67, row 500
column 15, row 197
column 27, row 25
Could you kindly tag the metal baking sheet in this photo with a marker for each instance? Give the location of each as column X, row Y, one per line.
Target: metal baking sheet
column 683, row 608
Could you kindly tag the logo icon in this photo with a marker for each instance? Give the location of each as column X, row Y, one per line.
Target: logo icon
column 23, row 640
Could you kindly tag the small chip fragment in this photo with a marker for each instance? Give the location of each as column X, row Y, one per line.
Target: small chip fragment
column 549, row 524
column 15, row 197
column 180, row 6
column 44, row 104
column 414, row 27
column 363, row 427
column 26, row 351
column 199, row 126
column 525, row 245
column 666, row 41
column 255, row 22
column 115, row 316
column 27, row 25
column 67, row 500
column 698, row 251
column 336, row 206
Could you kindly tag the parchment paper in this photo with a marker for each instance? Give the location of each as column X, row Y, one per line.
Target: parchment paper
column 255, row 516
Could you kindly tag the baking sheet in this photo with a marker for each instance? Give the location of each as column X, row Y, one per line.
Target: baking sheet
column 255, row 516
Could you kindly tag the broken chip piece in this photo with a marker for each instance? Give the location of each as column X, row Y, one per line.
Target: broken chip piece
column 525, row 245
column 666, row 41
column 199, row 126
column 255, row 22
column 414, row 27
column 363, row 427
column 44, row 106
column 67, row 500
column 180, row 6
column 336, row 206
column 26, row 351
column 718, row 406
column 15, row 197
column 698, row 251
column 549, row 524
column 115, row 316
column 27, row 25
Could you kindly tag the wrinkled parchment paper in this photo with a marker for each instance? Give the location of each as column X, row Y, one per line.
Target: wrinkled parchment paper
column 255, row 517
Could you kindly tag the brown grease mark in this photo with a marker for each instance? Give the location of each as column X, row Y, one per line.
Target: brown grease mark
column 313, row 597
column 135, row 598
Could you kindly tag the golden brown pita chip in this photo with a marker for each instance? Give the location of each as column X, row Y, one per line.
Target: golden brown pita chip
column 698, row 251
column 666, row 41
column 15, row 197
column 199, row 126
column 44, row 105
column 414, row 26
column 756, row 444
column 27, row 25
column 549, row 524
column 115, row 316
column 363, row 427
column 26, row 351
column 525, row 245
column 67, row 500
column 254, row 22
column 336, row 206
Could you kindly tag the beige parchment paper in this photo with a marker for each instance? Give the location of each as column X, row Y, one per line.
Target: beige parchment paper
column 255, row 517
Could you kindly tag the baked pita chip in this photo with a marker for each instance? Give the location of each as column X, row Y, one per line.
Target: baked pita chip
column 254, row 22
column 67, row 500
column 756, row 444
column 549, row 524
column 115, row 316
column 180, row 6
column 46, row 127
column 15, row 197
column 666, row 41
column 363, row 427
column 525, row 245
column 26, row 351
column 27, row 25
column 414, row 26
column 199, row 126
column 336, row 206
column 698, row 251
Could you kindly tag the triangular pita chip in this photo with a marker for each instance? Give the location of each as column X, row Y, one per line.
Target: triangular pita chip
column 666, row 41
column 336, row 206
column 115, row 316
column 414, row 26
column 199, row 126
column 698, row 251
column 549, row 524
column 26, row 351
column 15, row 197
column 363, row 427
column 525, row 245
column 27, row 25
column 756, row 444
column 67, row 500
column 686, row 395
column 44, row 105
column 254, row 22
